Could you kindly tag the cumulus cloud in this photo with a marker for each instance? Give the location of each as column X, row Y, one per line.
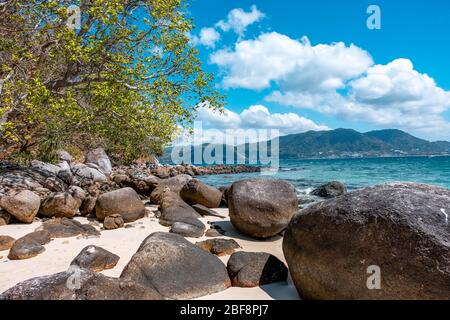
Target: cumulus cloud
column 337, row 79
column 208, row 37
column 238, row 20
column 257, row 118
column 273, row 57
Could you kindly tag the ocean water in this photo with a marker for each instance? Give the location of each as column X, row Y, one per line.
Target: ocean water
column 306, row 175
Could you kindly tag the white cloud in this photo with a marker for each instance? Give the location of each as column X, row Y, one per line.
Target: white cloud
column 273, row 57
column 207, row 37
column 256, row 117
column 338, row 80
column 238, row 20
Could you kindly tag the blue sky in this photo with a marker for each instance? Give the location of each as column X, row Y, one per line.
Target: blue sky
column 341, row 75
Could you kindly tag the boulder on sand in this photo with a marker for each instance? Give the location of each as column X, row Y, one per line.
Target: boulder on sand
column 195, row 229
column 29, row 245
column 6, row 242
column 384, row 242
column 196, row 192
column 23, row 206
column 79, row 284
column 330, row 190
column 174, row 209
column 59, row 205
column 252, row 269
column 114, row 221
column 219, row 247
column 65, row 228
column 125, row 202
column 174, row 184
column 261, row 208
column 176, row 268
column 95, row 259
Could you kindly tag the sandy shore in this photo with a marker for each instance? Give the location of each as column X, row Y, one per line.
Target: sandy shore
column 124, row 242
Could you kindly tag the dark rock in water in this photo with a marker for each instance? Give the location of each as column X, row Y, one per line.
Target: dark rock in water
column 79, row 284
column 174, row 184
column 196, row 192
column 114, row 221
column 5, row 217
column 23, row 205
column 95, row 259
column 29, row 245
column 334, row 248
column 195, row 229
column 213, row 233
column 252, row 269
column 88, row 205
column 330, row 190
column 125, row 202
column 6, row 242
column 176, row 268
column 59, row 205
column 261, row 208
column 65, row 228
column 219, row 247
column 174, row 209
column 204, row 211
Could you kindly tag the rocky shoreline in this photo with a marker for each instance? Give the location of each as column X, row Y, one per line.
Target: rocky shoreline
column 328, row 247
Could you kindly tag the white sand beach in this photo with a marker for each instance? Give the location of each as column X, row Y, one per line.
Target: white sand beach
column 124, row 242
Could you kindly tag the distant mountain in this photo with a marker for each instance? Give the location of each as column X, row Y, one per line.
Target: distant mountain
column 348, row 143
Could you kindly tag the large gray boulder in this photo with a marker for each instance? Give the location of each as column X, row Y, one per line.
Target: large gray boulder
column 174, row 184
column 176, row 268
column 261, row 208
column 100, row 158
column 334, row 248
column 174, row 209
column 125, row 202
column 45, row 166
column 23, row 206
column 88, row 173
column 79, row 284
column 196, row 192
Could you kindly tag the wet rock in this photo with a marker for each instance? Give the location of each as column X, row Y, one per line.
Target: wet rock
column 59, row 204
column 95, row 259
column 204, row 211
column 79, row 284
column 252, row 269
column 196, row 192
column 66, row 228
column 261, row 208
column 6, row 242
column 219, row 247
column 125, row 202
column 23, row 205
column 29, row 245
column 176, row 268
column 401, row 227
column 330, row 190
column 114, row 221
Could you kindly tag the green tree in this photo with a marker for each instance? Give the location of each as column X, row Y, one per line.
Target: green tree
column 126, row 80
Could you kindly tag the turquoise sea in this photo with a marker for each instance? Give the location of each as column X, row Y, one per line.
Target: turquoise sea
column 305, row 175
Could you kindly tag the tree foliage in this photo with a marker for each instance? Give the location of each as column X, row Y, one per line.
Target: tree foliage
column 125, row 80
